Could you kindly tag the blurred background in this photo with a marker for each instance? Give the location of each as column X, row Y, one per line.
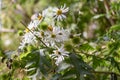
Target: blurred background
column 91, row 18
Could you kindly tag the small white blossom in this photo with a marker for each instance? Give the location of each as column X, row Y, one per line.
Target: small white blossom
column 36, row 19
column 59, row 13
column 59, row 55
column 29, row 38
column 37, row 16
column 56, row 34
column 31, row 26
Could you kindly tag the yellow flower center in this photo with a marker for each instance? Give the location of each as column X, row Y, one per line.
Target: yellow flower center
column 39, row 17
column 60, row 33
column 57, row 52
column 27, row 30
column 59, row 12
column 50, row 28
column 42, row 33
column 53, row 35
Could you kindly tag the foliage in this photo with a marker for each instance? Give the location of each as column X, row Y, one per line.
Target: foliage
column 93, row 46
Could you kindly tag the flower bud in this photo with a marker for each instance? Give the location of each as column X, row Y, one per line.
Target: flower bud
column 20, row 33
column 68, row 47
column 76, row 40
column 43, row 26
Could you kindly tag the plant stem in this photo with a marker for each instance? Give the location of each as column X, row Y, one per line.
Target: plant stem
column 105, row 72
column 107, row 7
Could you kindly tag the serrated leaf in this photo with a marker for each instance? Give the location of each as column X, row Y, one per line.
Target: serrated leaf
column 115, row 27
column 56, row 76
column 86, row 47
column 81, row 67
column 98, row 16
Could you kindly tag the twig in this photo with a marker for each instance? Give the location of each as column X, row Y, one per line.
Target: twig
column 105, row 72
column 102, row 72
column 33, row 34
column 6, row 30
column 107, row 7
column 88, row 54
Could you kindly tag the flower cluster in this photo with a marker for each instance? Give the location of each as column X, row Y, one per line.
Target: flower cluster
column 44, row 30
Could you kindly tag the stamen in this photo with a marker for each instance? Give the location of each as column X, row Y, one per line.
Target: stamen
column 59, row 12
column 57, row 52
column 39, row 17
column 50, row 28
column 60, row 33
column 26, row 30
column 42, row 33
column 53, row 35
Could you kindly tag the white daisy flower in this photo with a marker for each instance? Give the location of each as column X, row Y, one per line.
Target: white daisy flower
column 29, row 38
column 37, row 16
column 59, row 55
column 32, row 25
column 59, row 13
column 56, row 34
column 36, row 19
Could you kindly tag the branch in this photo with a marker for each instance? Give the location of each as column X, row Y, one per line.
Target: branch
column 6, row 30
column 88, row 54
column 101, row 72
column 105, row 72
column 107, row 7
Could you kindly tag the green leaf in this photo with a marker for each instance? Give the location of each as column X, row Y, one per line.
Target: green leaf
column 56, row 76
column 69, row 74
column 97, row 61
column 115, row 27
column 114, row 62
column 22, row 1
column 80, row 66
column 86, row 47
column 98, row 16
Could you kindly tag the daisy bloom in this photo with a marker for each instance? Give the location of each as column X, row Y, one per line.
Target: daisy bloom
column 31, row 26
column 59, row 13
column 29, row 38
column 36, row 19
column 57, row 34
column 59, row 55
column 37, row 16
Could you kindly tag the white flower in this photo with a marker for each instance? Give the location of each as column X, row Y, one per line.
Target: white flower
column 36, row 19
column 56, row 34
column 37, row 16
column 59, row 55
column 59, row 13
column 32, row 25
column 29, row 38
